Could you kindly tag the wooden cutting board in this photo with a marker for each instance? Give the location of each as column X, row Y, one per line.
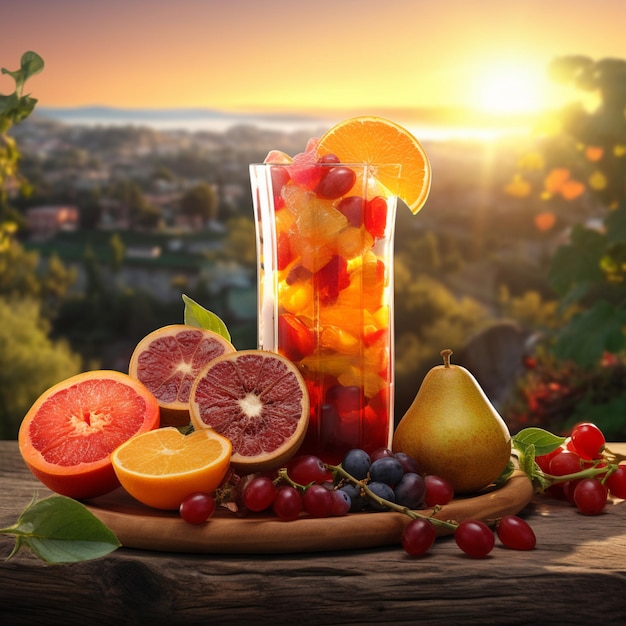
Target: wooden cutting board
column 138, row 526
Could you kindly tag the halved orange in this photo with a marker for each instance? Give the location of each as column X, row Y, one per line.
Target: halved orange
column 259, row 401
column 67, row 436
column 167, row 362
column 377, row 141
column 162, row 467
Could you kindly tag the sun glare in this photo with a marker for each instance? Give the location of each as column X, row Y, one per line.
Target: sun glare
column 510, row 89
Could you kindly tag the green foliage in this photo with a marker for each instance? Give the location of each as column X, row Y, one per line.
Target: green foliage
column 16, row 107
column 30, row 362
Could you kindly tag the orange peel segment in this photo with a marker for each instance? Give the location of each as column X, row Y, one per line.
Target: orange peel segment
column 376, row 141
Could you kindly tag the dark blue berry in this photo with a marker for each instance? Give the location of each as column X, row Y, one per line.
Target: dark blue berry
column 382, row 490
column 357, row 463
column 386, row 470
column 410, row 491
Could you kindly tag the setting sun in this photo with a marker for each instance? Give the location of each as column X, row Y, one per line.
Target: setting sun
column 510, row 89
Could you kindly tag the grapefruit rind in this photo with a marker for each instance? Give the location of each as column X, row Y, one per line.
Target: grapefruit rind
column 215, row 393
column 197, row 462
column 174, row 412
column 80, row 480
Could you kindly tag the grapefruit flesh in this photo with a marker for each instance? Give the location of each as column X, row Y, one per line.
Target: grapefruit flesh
column 67, row 436
column 258, row 400
column 167, row 362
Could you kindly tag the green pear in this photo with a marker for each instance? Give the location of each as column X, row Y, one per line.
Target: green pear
column 453, row 431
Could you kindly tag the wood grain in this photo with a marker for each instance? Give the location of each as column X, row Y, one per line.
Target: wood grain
column 577, row 574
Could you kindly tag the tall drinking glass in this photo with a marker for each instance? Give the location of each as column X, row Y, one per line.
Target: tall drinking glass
column 325, row 294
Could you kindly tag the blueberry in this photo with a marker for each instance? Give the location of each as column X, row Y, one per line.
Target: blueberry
column 358, row 500
column 357, row 463
column 386, row 470
column 382, row 490
column 410, row 491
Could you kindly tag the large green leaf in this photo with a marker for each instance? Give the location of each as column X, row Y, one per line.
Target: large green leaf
column 61, row 530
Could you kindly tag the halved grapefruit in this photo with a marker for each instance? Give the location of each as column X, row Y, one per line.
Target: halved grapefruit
column 67, row 436
column 258, row 400
column 167, row 362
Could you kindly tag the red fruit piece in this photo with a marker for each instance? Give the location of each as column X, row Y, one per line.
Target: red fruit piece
column 353, row 208
column 588, row 440
column 280, row 177
column 376, row 216
column 331, row 279
column 565, row 463
column 345, row 399
column 294, row 338
column 335, row 182
column 304, row 170
column 284, row 255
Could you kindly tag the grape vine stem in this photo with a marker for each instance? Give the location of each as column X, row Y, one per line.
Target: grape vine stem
column 337, row 470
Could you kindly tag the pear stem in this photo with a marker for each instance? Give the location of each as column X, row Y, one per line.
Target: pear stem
column 446, row 354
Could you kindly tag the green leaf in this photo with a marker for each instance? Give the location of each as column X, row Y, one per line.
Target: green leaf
column 196, row 315
column 543, row 441
column 31, row 64
column 61, row 530
column 589, row 334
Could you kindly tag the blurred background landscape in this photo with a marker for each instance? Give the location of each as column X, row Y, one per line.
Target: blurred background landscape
column 128, row 184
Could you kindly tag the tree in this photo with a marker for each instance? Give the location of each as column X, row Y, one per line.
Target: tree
column 200, row 201
column 15, row 108
column 584, row 160
column 30, row 362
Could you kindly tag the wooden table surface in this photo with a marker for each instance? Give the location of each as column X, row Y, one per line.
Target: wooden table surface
column 577, row 574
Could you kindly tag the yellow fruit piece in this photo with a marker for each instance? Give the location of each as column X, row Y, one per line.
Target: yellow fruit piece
column 353, row 242
column 339, row 340
column 378, row 142
column 161, row 467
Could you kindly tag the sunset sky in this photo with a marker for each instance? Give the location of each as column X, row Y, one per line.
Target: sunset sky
column 366, row 56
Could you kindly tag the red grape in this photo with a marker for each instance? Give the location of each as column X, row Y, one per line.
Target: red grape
column 287, row 503
column 418, row 536
column 475, row 538
column 259, row 493
column 590, row 496
column 438, row 490
column 197, row 507
column 306, row 469
column 616, row 482
column 588, row 440
column 515, row 533
column 565, row 463
column 335, row 182
column 318, row 501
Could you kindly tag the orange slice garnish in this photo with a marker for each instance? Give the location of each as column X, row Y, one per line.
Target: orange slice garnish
column 376, row 141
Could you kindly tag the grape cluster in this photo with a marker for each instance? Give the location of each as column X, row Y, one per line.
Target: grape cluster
column 582, row 471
